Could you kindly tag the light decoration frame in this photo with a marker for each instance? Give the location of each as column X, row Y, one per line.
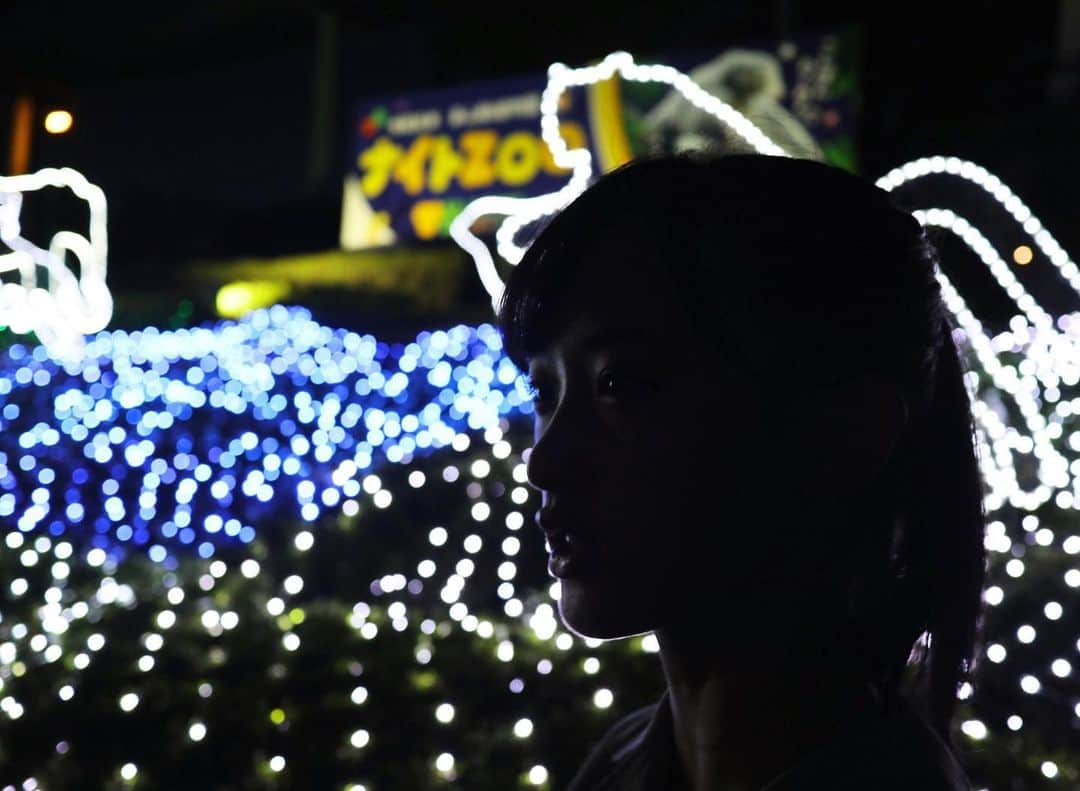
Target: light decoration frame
column 68, row 308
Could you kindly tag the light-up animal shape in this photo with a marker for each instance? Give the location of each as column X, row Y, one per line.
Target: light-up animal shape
column 65, row 308
column 752, row 82
column 1003, row 432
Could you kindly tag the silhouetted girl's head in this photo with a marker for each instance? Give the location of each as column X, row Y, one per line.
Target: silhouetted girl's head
column 751, row 413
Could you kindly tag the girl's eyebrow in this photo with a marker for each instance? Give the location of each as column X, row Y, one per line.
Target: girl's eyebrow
column 609, row 337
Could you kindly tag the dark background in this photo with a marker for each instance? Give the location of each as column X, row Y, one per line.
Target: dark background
column 220, row 129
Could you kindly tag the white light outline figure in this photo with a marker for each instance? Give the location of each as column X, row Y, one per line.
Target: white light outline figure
column 521, row 211
column 69, row 307
column 1054, row 474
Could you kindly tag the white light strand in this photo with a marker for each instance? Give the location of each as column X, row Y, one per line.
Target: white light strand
column 999, row 467
column 981, row 177
column 519, row 212
column 68, row 308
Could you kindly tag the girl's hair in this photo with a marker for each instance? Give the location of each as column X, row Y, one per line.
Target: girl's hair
column 810, row 246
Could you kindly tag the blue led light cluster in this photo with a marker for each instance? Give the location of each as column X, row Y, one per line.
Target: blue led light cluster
column 181, row 440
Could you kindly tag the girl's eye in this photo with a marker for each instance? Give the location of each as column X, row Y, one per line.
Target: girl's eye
column 619, row 385
column 538, row 391
column 606, row 384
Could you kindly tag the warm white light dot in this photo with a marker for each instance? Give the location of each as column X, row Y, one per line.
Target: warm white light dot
column 66, row 692
column 197, row 732
column 1053, row 610
column 57, row 122
column 1026, row 634
column 218, row 569
column 291, row 641
column 523, row 728
column 304, row 540
column 591, row 665
column 1061, row 668
column 480, row 468
column 1072, row 578
column 359, row 695
column 293, row 584
column 128, row 771
column 250, row 568
column 165, row 619
column 473, row 543
column 996, row 652
column 129, row 701
column 1030, row 684
column 277, row 763
column 538, row 775
column 146, row 663
column 445, row 762
column 1015, row 568
column 603, row 698
column 480, row 511
column 1049, row 769
column 1015, row 722
column 505, row 651
column 416, row 479
column 444, row 713
column 974, row 729
column 993, row 595
column 360, row 738
column 382, row 498
column 437, row 536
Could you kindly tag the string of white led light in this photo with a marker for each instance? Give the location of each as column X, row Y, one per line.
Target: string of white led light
column 518, row 212
column 68, row 308
column 981, row 177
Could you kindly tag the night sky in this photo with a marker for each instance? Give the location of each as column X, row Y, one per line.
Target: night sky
column 200, row 121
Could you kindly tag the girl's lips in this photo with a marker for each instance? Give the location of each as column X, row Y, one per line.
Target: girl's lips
column 570, row 557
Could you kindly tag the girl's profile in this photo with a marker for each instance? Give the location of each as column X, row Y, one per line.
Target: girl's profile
column 753, row 439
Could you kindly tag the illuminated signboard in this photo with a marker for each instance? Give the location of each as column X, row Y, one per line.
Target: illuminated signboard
column 418, row 159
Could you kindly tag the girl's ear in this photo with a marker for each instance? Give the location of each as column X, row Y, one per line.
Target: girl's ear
column 849, row 433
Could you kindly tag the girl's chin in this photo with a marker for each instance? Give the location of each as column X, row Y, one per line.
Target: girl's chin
column 587, row 614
